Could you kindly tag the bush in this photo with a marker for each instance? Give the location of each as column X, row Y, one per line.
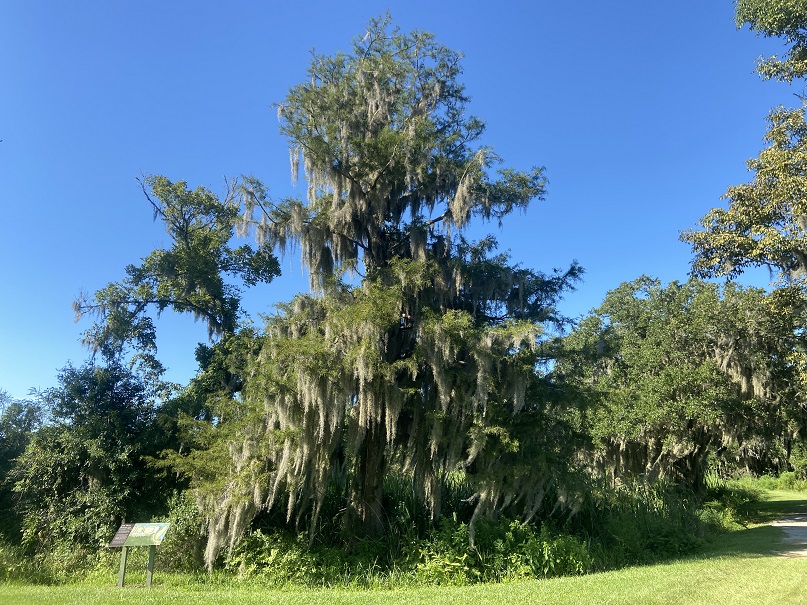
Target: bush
column 727, row 503
column 798, row 460
column 792, row 481
column 281, row 558
column 640, row 522
column 504, row 550
column 183, row 547
column 15, row 566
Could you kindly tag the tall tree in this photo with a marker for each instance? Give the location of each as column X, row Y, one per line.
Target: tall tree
column 417, row 347
column 188, row 277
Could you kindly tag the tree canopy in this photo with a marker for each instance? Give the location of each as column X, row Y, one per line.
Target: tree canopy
column 680, row 373
column 765, row 223
column 187, row 278
column 423, row 363
column 785, row 19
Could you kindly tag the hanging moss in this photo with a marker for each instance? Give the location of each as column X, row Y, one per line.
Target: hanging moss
column 421, row 364
column 688, row 371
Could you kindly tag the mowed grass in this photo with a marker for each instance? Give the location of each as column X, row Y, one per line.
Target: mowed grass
column 738, row 568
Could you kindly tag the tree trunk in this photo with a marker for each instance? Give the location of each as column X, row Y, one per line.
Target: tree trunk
column 365, row 513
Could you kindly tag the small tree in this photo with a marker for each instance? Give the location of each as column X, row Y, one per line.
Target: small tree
column 81, row 474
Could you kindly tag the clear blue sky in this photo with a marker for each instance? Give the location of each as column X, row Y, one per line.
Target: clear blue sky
column 642, row 113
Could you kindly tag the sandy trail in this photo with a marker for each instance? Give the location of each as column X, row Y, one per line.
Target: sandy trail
column 794, row 542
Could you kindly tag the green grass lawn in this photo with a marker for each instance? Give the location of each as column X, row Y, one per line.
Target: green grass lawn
column 737, row 569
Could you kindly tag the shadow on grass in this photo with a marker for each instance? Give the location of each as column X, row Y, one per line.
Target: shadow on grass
column 766, row 511
column 761, row 540
column 759, row 537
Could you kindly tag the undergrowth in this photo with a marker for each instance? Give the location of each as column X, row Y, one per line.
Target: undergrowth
column 634, row 523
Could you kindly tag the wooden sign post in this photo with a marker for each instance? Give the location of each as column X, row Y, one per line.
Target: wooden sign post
column 138, row 534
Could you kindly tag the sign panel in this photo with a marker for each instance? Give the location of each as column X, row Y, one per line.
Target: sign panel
column 146, row 534
column 138, row 534
column 120, row 536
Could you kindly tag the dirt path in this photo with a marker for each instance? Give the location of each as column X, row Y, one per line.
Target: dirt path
column 794, row 542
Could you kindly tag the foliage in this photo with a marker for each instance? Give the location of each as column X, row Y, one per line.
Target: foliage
column 636, row 522
column 765, row 223
column 17, row 566
column 676, row 373
column 785, row 19
column 787, row 481
column 279, row 560
column 798, row 459
column 19, row 420
column 183, row 547
column 504, row 550
column 631, row 523
column 727, row 502
column 615, row 526
column 187, row 278
column 82, row 474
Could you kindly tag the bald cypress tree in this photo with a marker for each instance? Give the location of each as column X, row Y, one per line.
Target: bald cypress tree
column 416, row 348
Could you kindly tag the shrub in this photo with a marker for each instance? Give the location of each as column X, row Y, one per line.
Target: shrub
column 277, row 559
column 639, row 522
column 183, row 547
column 504, row 550
column 15, row 566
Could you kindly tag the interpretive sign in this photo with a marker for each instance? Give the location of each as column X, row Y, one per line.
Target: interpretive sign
column 146, row 534
column 120, row 536
column 138, row 534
